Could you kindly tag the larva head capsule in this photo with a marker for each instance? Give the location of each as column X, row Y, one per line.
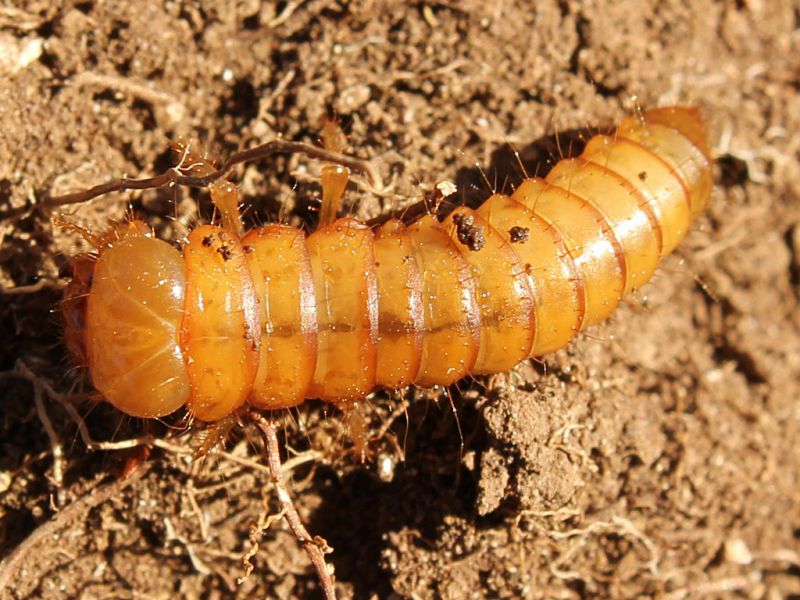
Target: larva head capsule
column 81, row 268
column 122, row 315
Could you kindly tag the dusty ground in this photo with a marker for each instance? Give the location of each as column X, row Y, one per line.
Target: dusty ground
column 657, row 456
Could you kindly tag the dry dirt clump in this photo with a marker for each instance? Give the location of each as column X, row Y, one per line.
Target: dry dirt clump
column 656, row 456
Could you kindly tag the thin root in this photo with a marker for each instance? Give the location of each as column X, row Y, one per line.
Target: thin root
column 33, row 288
column 265, row 521
column 22, row 371
column 316, row 548
column 56, row 446
column 618, row 525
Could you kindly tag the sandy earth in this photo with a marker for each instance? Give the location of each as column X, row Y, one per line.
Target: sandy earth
column 657, row 455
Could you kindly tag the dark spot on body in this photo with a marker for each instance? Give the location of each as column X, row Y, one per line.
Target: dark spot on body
column 519, row 235
column 248, row 249
column 643, row 176
column 208, row 241
column 225, row 252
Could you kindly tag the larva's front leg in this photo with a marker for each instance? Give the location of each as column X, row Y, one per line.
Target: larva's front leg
column 333, row 177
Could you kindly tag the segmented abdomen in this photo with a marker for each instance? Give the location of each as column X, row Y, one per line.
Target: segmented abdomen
column 273, row 318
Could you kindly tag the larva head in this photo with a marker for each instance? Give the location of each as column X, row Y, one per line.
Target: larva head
column 73, row 306
column 81, row 270
column 122, row 317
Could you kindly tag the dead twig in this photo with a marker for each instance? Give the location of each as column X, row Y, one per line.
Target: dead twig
column 56, row 446
column 315, row 547
column 173, row 535
column 174, row 176
column 286, row 13
column 618, row 525
column 727, row 585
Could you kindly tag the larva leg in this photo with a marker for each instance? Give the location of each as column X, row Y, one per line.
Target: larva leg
column 225, row 197
column 92, row 239
column 116, row 232
column 357, row 424
column 224, row 194
column 215, row 434
column 334, row 177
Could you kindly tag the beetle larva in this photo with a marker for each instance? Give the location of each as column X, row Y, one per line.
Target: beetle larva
column 271, row 317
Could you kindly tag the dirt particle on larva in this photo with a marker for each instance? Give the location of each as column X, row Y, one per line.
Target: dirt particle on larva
column 225, row 252
column 643, row 176
column 519, row 235
column 468, row 233
column 446, row 188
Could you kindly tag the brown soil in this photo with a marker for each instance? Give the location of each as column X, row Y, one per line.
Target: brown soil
column 658, row 455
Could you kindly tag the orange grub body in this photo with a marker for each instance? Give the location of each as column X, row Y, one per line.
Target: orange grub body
column 270, row 317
